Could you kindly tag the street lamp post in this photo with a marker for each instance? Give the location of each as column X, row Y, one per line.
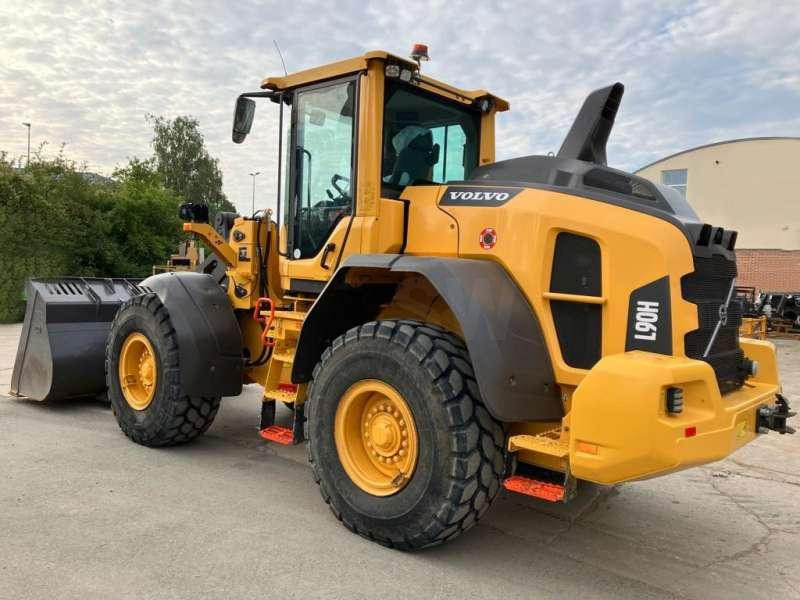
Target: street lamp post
column 254, row 175
column 28, row 125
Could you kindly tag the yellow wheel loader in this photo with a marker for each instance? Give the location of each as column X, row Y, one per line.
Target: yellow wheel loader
column 442, row 324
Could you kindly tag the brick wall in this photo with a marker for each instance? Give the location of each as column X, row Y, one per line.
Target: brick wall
column 769, row 270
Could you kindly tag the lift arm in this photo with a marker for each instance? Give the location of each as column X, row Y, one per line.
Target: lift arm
column 218, row 245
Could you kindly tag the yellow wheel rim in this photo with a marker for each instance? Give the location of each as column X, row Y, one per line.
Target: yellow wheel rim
column 376, row 437
column 138, row 373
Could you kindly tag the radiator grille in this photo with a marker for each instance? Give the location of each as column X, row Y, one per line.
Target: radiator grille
column 708, row 287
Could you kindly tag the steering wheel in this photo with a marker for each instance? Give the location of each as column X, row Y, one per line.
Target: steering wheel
column 343, row 193
column 318, row 218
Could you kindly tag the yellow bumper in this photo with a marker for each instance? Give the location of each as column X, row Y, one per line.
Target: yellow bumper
column 620, row 429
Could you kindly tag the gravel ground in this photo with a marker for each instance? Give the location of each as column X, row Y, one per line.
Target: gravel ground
column 86, row 514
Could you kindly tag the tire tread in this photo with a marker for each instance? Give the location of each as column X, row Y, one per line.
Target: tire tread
column 190, row 416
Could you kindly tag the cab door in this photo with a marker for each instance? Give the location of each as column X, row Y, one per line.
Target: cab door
column 320, row 204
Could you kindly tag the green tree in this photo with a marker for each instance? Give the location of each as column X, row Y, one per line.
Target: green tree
column 142, row 219
column 184, row 164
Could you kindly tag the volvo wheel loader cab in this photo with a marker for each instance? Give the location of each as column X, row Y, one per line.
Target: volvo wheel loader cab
column 442, row 324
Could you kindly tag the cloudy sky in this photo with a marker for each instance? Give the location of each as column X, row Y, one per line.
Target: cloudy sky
column 85, row 73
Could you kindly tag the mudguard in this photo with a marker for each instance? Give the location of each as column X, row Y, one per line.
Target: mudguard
column 501, row 331
column 209, row 338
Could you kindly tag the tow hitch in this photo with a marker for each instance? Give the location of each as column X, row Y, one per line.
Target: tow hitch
column 774, row 417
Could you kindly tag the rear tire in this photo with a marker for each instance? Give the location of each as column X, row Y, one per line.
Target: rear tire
column 169, row 417
column 460, row 446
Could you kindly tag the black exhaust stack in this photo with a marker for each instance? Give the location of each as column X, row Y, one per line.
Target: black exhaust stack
column 589, row 133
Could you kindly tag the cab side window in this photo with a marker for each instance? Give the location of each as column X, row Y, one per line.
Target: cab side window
column 426, row 139
column 453, row 141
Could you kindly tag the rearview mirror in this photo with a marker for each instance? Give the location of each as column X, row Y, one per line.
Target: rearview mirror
column 243, row 118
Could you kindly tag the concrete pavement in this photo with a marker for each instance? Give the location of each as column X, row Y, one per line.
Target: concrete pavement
column 84, row 513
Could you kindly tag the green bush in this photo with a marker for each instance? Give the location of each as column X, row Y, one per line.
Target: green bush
column 56, row 220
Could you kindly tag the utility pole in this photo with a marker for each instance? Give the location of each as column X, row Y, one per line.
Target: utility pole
column 28, row 125
column 254, row 175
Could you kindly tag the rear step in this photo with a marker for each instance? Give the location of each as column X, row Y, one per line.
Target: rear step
column 544, row 490
column 278, row 434
column 282, row 435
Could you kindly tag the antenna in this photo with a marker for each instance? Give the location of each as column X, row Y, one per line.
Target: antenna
column 285, row 72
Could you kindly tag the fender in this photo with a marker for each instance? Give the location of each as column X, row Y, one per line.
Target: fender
column 209, row 338
column 501, row 331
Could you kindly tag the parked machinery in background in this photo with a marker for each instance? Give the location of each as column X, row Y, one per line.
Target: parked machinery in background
column 791, row 308
column 764, row 312
column 189, row 256
column 753, row 325
column 783, row 312
column 748, row 300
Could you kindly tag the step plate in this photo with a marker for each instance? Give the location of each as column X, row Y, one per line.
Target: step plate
column 279, row 435
column 552, row 492
column 281, row 395
column 550, row 443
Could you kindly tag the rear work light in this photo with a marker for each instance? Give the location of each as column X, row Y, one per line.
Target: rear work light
column 674, row 400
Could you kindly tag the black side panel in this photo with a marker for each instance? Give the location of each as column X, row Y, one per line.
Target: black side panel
column 650, row 318
column 501, row 331
column 306, row 286
column 579, row 330
column 209, row 339
column 579, row 325
column 589, row 133
column 576, row 266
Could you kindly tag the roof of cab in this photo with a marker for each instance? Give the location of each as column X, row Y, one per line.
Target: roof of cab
column 359, row 63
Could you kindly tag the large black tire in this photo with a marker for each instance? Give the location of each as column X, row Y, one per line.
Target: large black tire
column 171, row 418
column 461, row 447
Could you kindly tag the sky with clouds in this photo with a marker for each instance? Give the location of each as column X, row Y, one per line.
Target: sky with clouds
column 85, row 73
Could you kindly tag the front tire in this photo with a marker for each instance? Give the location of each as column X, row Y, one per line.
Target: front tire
column 143, row 378
column 372, row 372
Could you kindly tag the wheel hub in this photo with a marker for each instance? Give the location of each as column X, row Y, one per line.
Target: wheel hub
column 137, row 371
column 376, row 437
column 384, row 432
